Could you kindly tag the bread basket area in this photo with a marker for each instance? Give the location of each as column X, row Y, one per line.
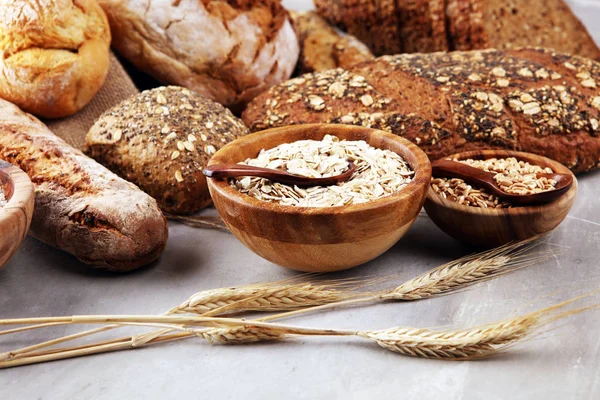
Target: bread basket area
column 321, row 199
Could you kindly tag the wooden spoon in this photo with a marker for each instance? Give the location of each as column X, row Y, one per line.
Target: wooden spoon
column 275, row 175
column 475, row 176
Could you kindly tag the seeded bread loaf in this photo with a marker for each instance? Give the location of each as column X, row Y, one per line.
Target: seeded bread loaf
column 532, row 100
column 161, row 139
column 516, row 23
column 467, row 25
column 228, row 51
column 54, row 54
column 324, row 47
column 80, row 206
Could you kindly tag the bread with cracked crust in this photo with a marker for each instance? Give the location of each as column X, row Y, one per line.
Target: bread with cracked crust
column 228, row 51
column 161, row 140
column 80, row 206
column 54, row 54
column 534, row 100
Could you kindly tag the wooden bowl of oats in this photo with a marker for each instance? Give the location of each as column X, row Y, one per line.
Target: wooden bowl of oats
column 322, row 229
column 472, row 215
column 16, row 209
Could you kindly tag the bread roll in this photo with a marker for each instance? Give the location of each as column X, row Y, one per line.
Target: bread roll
column 324, row 47
column 55, row 54
column 534, row 100
column 228, row 51
column 161, row 140
column 80, row 206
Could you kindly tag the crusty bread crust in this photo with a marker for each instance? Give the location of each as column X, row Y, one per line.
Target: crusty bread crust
column 80, row 206
column 161, row 140
column 532, row 100
column 54, row 54
column 324, row 47
column 226, row 51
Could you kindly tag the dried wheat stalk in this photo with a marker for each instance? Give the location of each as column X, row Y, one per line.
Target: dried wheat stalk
column 307, row 297
column 197, row 221
column 484, row 341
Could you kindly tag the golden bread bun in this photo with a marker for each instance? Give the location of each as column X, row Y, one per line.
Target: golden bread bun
column 55, row 54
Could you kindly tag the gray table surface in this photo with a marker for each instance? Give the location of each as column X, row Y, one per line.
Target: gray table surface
column 563, row 363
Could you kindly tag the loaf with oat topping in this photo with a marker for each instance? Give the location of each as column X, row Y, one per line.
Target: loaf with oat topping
column 532, row 100
column 161, row 139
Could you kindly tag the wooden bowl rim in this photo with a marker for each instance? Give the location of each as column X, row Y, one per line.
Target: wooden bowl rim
column 422, row 170
column 22, row 192
column 496, row 212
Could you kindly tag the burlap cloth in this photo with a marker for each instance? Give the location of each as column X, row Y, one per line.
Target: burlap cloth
column 117, row 87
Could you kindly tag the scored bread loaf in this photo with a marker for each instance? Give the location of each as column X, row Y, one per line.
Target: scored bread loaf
column 80, row 206
column 532, row 100
column 161, row 139
column 324, row 47
column 228, row 51
column 54, row 54
column 464, row 25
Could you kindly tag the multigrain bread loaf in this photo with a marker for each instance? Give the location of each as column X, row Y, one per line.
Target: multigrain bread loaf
column 467, row 25
column 374, row 22
column 161, row 140
column 516, row 23
column 324, row 47
column 228, row 51
column 532, row 100
column 80, row 206
column 54, row 54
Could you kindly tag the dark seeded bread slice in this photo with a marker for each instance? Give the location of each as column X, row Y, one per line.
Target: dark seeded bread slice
column 458, row 24
column 533, row 100
column 422, row 26
column 374, row 22
column 516, row 23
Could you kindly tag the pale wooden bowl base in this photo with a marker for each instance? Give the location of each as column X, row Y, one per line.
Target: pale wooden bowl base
column 320, row 257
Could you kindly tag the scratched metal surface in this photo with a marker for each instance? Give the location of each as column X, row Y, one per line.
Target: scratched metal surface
column 562, row 363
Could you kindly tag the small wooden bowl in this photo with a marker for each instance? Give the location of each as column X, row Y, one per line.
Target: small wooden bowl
column 15, row 216
column 320, row 239
column 494, row 227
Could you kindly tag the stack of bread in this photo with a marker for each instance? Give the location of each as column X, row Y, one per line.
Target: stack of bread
column 148, row 151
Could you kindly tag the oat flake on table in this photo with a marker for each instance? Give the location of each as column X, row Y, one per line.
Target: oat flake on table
column 378, row 173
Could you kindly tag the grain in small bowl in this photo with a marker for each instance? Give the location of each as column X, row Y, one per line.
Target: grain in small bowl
column 321, row 238
column 472, row 215
column 16, row 209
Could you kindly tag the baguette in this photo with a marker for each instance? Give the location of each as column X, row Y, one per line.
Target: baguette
column 532, row 100
column 80, row 206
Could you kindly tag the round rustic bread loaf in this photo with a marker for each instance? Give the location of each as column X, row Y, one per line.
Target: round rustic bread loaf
column 228, row 51
column 161, row 140
column 55, row 54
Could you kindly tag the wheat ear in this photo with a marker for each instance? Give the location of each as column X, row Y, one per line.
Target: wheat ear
column 484, row 341
column 284, row 295
column 196, row 221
